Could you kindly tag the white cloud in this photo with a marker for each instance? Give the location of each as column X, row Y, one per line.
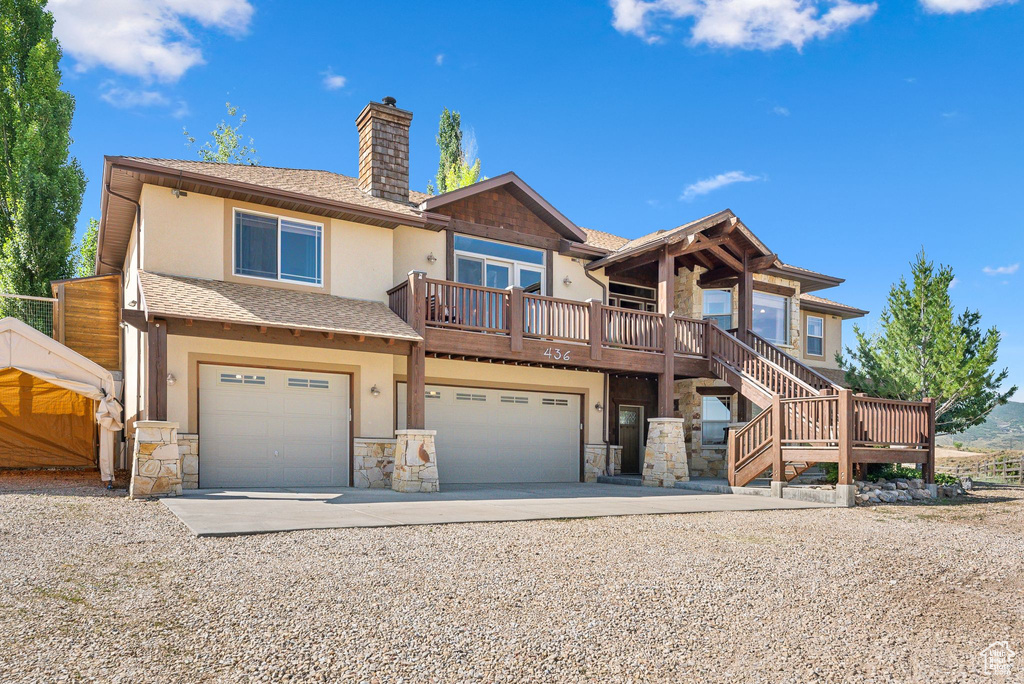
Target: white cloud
column 780, row 111
column 954, row 282
column 1001, row 270
column 956, row 6
column 128, row 98
column 439, row 59
column 145, row 38
column 747, row 24
column 333, row 81
column 181, row 110
column 703, row 187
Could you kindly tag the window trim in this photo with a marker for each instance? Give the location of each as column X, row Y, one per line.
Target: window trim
column 729, row 399
column 279, row 217
column 514, row 265
column 807, row 332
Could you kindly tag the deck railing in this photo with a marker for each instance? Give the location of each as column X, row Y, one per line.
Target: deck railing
column 39, row 312
column 556, row 319
column 810, row 421
column 524, row 315
column 631, row 329
column 888, row 422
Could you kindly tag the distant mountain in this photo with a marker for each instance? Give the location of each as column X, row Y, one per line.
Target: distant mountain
column 1004, row 429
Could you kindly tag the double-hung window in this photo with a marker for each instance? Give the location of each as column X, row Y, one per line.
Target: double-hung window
column 498, row 264
column 718, row 307
column 716, row 414
column 771, row 317
column 815, row 336
column 277, row 248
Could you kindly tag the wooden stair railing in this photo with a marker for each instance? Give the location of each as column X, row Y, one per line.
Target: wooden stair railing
column 759, row 378
column 751, row 448
column 790, row 364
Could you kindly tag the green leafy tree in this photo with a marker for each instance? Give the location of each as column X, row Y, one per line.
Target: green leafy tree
column 454, row 168
column 40, row 185
column 85, row 265
column 924, row 350
column 227, row 145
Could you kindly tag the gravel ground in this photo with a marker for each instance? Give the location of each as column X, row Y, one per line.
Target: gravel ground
column 94, row 587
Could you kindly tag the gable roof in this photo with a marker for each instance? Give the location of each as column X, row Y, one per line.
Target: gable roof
column 518, row 188
column 244, row 304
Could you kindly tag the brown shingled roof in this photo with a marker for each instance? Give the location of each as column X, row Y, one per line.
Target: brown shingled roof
column 217, row 300
column 320, row 184
column 599, row 238
column 831, row 305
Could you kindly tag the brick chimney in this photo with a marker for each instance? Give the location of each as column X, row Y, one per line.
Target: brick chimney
column 384, row 150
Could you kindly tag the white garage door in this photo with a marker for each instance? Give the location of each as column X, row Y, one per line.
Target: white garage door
column 272, row 428
column 490, row 435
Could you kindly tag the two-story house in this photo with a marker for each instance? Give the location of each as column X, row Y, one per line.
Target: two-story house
column 296, row 323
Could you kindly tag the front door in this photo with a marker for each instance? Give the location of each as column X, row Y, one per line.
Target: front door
column 631, row 422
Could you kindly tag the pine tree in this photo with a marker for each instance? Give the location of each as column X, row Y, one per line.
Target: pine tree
column 924, row 350
column 40, row 185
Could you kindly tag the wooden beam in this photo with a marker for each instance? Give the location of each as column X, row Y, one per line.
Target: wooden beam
column 761, row 263
column 505, row 234
column 296, row 332
column 156, row 376
column 726, row 258
column 846, row 433
column 135, row 318
column 188, row 321
column 227, row 326
column 246, row 333
column 416, row 366
column 716, row 275
column 327, row 335
column 263, row 330
column 666, row 304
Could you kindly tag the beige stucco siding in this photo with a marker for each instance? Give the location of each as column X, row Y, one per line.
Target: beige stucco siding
column 372, row 416
column 361, row 260
column 833, row 339
column 472, row 374
column 411, row 248
column 582, row 287
column 182, row 236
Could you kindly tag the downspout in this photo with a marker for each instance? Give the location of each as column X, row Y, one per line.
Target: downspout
column 607, row 410
column 138, row 293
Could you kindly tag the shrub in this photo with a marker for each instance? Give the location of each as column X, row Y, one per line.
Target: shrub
column 831, row 471
column 893, row 471
column 945, row 479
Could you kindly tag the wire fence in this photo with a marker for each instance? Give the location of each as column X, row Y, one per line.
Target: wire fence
column 36, row 311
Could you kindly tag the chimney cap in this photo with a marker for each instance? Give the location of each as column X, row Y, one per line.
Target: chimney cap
column 389, row 101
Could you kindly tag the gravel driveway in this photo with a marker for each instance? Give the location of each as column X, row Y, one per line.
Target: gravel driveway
column 99, row 588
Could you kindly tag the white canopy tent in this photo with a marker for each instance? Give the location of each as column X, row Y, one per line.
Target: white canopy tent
column 24, row 348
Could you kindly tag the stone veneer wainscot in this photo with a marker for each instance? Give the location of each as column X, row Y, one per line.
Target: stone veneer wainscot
column 415, row 462
column 156, row 464
column 373, row 461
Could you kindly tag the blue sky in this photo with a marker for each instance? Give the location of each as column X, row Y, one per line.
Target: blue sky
column 847, row 135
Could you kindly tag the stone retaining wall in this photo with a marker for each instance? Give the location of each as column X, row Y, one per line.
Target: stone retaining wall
column 373, row 461
column 188, row 450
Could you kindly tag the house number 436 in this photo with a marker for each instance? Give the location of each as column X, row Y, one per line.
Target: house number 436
column 557, row 354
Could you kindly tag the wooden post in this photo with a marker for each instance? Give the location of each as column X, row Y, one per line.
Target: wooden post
column 847, row 429
column 515, row 318
column 156, row 376
column 666, row 295
column 709, row 323
column 58, row 315
column 744, row 315
column 596, row 326
column 929, row 466
column 731, row 447
column 415, row 394
column 778, row 429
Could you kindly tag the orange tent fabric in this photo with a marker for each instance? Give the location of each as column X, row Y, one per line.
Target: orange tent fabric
column 43, row 425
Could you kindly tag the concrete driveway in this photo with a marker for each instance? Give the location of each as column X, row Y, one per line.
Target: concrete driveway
column 216, row 512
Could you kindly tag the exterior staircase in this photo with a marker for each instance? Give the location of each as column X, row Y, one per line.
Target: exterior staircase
column 806, row 419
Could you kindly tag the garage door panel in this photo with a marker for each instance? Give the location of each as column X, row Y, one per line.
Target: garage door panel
column 291, row 431
column 483, row 438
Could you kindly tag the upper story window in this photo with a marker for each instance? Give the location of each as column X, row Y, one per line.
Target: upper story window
column 277, row 248
column 498, row 264
column 771, row 317
column 718, row 307
column 815, row 336
column 632, row 297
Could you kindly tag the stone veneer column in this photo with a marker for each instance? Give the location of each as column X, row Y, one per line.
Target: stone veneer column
column 665, row 453
column 188, row 449
column 156, row 463
column 415, row 462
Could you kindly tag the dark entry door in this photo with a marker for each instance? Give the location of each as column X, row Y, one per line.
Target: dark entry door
column 631, row 423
